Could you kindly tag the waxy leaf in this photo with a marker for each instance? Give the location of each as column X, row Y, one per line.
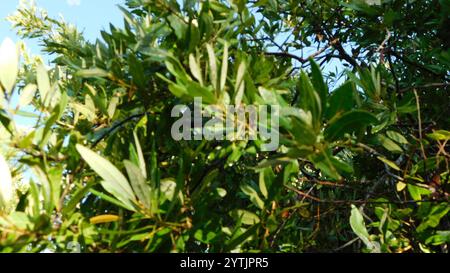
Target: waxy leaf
column 114, row 181
column 9, row 64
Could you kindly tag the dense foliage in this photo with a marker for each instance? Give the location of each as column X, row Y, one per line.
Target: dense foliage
column 363, row 164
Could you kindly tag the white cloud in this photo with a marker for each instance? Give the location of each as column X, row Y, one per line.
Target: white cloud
column 73, row 3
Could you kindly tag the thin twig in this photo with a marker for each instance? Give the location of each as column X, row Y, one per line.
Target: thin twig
column 430, row 85
column 419, row 117
column 362, row 202
column 305, row 195
column 383, row 44
column 394, row 75
column 386, row 166
column 412, row 63
column 346, row 244
column 286, row 55
column 300, row 59
column 112, row 129
column 280, row 228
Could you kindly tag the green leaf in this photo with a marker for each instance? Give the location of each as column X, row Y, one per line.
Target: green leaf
column 262, row 184
column 111, row 199
column 361, row 5
column 224, row 70
column 194, row 37
column 240, row 84
column 205, row 236
column 55, row 177
column 76, row 198
column 114, row 181
column 397, row 137
column 43, row 82
column 254, row 197
column 20, row 220
column 93, row 73
column 6, row 185
column 441, row 237
column 416, row 191
column 299, row 125
column 431, row 163
column 140, row 154
column 400, row 186
column 112, row 107
column 6, row 121
column 341, row 165
column 389, row 163
column 323, row 161
column 168, row 188
column 128, row 16
column 26, row 114
column 309, row 99
column 359, row 227
column 212, row 66
column 440, row 135
column 178, row 90
column 303, row 133
column 9, row 64
column 205, row 184
column 349, row 123
column 95, row 100
column 195, row 69
column 138, row 183
column 83, row 109
column 434, row 217
column 3, row 103
column 319, row 83
column 241, row 238
column 369, row 80
column 196, row 90
column 247, row 217
column 389, row 144
column 137, row 71
column 341, row 100
column 35, row 204
column 158, row 54
column 27, row 95
column 178, row 26
column 46, row 190
column 48, row 128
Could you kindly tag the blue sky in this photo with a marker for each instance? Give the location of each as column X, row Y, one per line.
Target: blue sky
column 90, row 16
